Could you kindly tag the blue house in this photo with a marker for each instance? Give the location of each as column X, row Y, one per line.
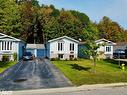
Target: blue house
column 11, row 46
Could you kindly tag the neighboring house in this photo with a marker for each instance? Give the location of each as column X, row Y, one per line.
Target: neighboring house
column 10, row 46
column 120, row 46
column 38, row 50
column 63, row 48
column 106, row 50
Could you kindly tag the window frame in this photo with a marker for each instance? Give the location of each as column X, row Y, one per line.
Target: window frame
column 72, row 47
column 108, row 49
column 6, row 45
column 60, row 46
column 71, row 56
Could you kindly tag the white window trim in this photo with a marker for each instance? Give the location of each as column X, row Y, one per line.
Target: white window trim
column 8, row 47
column 59, row 46
column 71, row 47
column 109, row 49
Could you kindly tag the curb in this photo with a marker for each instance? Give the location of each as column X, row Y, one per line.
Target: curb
column 68, row 89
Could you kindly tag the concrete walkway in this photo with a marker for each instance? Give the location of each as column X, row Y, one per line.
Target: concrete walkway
column 67, row 89
column 123, row 60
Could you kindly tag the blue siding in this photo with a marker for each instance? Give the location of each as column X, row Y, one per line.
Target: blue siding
column 48, row 50
column 21, row 50
column 80, row 53
column 41, row 53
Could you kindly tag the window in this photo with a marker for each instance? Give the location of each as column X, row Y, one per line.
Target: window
column 6, row 45
column 60, row 46
column 71, row 46
column 2, row 45
column 108, row 49
column 60, row 56
column 10, row 45
column 71, row 56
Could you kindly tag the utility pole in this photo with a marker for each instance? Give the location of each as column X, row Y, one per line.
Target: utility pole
column 119, row 58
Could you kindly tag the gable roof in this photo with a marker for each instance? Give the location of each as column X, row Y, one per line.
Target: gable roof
column 35, row 46
column 4, row 37
column 63, row 38
column 105, row 40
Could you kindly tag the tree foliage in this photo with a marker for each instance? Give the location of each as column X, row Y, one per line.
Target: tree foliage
column 111, row 30
column 27, row 20
column 9, row 18
column 91, row 51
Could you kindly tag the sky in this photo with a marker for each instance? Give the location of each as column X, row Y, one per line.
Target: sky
column 95, row 9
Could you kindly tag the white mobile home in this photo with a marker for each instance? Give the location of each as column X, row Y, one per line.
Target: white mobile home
column 10, row 46
column 62, row 48
column 107, row 49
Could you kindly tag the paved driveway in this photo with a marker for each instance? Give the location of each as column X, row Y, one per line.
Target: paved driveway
column 36, row 74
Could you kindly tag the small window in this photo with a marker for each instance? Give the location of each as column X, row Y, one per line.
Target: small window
column 5, row 45
column 108, row 49
column 2, row 45
column 60, row 46
column 71, row 46
column 8, row 45
column 71, row 56
column 60, row 56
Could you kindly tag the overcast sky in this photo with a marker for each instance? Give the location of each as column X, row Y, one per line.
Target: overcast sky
column 95, row 9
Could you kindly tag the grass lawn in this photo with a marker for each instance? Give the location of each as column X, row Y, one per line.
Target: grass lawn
column 80, row 72
column 5, row 65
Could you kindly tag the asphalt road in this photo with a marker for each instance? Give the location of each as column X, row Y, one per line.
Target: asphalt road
column 36, row 74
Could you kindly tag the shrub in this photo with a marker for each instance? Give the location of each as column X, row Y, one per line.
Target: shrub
column 5, row 57
column 55, row 59
column 75, row 59
column 15, row 56
column 71, row 59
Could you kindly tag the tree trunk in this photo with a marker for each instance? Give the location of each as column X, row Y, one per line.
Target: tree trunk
column 94, row 65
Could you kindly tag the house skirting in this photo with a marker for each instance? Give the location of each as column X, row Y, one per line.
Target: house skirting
column 10, row 57
column 65, row 56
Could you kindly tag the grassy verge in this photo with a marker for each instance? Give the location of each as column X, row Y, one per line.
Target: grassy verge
column 5, row 65
column 80, row 72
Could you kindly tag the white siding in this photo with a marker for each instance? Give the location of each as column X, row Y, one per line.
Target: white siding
column 54, row 49
column 103, row 49
column 15, row 49
column 15, row 46
column 7, row 49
